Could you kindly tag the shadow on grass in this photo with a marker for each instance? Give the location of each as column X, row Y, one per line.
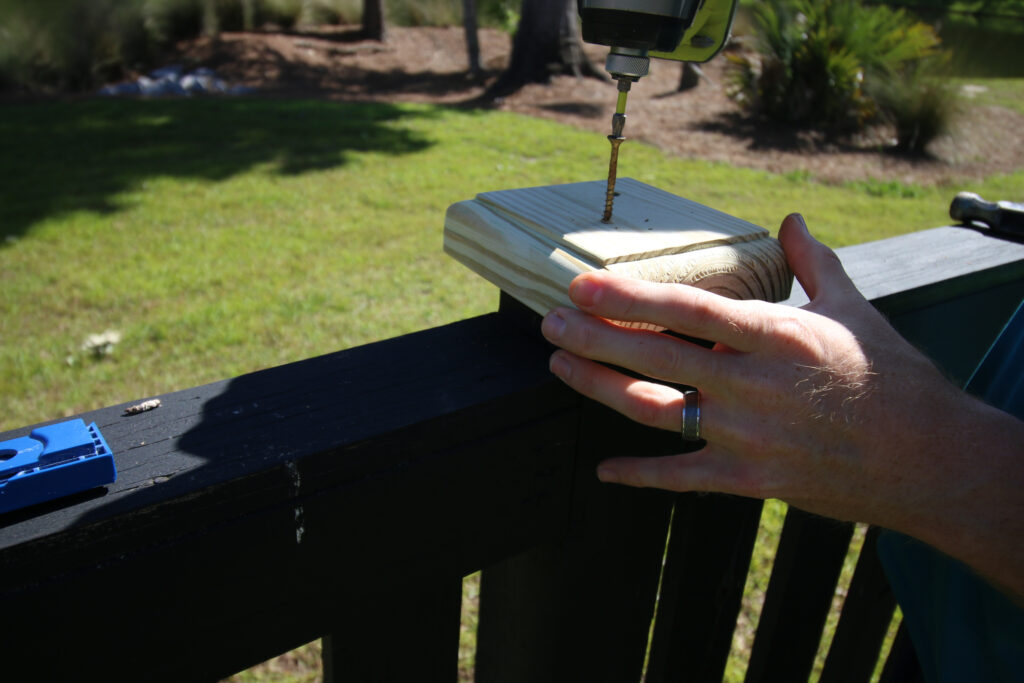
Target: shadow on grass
column 59, row 157
column 761, row 134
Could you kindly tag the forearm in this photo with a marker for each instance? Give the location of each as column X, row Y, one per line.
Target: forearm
column 968, row 501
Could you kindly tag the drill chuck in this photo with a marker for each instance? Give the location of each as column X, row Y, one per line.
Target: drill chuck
column 623, row 65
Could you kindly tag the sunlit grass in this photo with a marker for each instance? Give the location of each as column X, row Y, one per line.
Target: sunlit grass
column 220, row 237
column 1000, row 92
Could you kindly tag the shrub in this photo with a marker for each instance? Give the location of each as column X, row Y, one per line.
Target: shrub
column 67, row 44
column 920, row 106
column 822, row 63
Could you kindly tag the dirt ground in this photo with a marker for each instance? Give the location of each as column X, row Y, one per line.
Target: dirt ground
column 430, row 65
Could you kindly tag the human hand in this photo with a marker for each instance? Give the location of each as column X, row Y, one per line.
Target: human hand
column 826, row 407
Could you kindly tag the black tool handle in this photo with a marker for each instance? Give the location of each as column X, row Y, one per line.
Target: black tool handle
column 1002, row 216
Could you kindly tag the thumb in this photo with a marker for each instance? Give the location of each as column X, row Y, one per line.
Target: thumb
column 815, row 266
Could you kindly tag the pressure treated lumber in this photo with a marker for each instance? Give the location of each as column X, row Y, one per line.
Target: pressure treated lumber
column 532, row 242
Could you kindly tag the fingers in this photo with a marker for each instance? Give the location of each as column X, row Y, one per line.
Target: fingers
column 652, row 354
column 686, row 310
column 651, row 404
column 709, row 469
column 815, row 266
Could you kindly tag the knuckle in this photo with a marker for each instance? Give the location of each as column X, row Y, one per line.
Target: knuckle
column 663, row 358
column 582, row 380
column 585, row 338
column 703, row 312
column 795, row 332
column 647, row 408
column 830, row 258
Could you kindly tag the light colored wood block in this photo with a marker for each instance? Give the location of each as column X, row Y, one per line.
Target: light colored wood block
column 532, row 242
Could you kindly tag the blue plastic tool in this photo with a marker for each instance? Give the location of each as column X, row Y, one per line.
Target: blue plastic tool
column 53, row 461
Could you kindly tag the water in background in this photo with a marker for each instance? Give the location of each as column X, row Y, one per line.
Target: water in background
column 983, row 47
column 988, row 47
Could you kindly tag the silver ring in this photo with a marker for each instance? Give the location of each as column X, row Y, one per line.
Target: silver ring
column 691, row 415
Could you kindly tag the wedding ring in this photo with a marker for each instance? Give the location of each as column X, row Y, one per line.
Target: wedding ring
column 691, row 415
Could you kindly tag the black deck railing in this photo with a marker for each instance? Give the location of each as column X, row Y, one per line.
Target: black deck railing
column 347, row 496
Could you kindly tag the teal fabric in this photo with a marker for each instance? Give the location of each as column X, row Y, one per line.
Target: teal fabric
column 962, row 628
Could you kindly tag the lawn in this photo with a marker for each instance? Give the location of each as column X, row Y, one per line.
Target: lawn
column 222, row 236
column 218, row 236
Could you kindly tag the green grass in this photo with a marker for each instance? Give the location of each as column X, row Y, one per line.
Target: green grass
column 1001, row 92
column 222, row 236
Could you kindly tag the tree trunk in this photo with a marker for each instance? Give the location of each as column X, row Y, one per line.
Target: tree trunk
column 211, row 27
column 373, row 20
column 547, row 43
column 472, row 40
column 248, row 15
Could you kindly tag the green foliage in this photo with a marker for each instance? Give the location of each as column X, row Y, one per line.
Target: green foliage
column 503, row 14
column 838, row 65
column 920, row 106
column 424, row 12
column 1007, row 8
column 74, row 45
column 888, row 188
column 500, row 14
column 67, row 45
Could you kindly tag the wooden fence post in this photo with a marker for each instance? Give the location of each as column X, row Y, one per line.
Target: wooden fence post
column 581, row 608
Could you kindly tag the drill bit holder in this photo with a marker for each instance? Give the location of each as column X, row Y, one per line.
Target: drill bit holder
column 532, row 242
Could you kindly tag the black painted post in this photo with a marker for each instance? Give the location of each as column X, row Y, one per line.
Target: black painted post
column 864, row 621
column 399, row 633
column 804, row 576
column 702, row 589
column 581, row 608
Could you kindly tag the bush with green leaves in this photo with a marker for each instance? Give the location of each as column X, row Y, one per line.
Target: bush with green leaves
column 64, row 45
column 839, row 65
column 919, row 106
column 74, row 45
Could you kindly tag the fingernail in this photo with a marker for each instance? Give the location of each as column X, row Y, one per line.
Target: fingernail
column 606, row 474
column 560, row 367
column 800, row 219
column 584, row 292
column 553, row 326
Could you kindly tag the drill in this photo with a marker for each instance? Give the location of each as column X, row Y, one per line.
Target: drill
column 636, row 30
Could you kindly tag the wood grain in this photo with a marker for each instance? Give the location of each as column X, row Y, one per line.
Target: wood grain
column 532, row 242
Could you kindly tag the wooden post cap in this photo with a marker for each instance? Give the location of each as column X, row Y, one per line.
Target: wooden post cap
column 533, row 241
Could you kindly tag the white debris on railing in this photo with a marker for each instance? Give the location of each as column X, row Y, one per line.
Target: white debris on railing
column 143, row 407
column 174, row 81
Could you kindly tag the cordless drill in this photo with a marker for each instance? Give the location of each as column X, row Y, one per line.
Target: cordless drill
column 636, row 30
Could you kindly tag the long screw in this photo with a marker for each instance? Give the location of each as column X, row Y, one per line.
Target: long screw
column 613, row 167
column 618, row 123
